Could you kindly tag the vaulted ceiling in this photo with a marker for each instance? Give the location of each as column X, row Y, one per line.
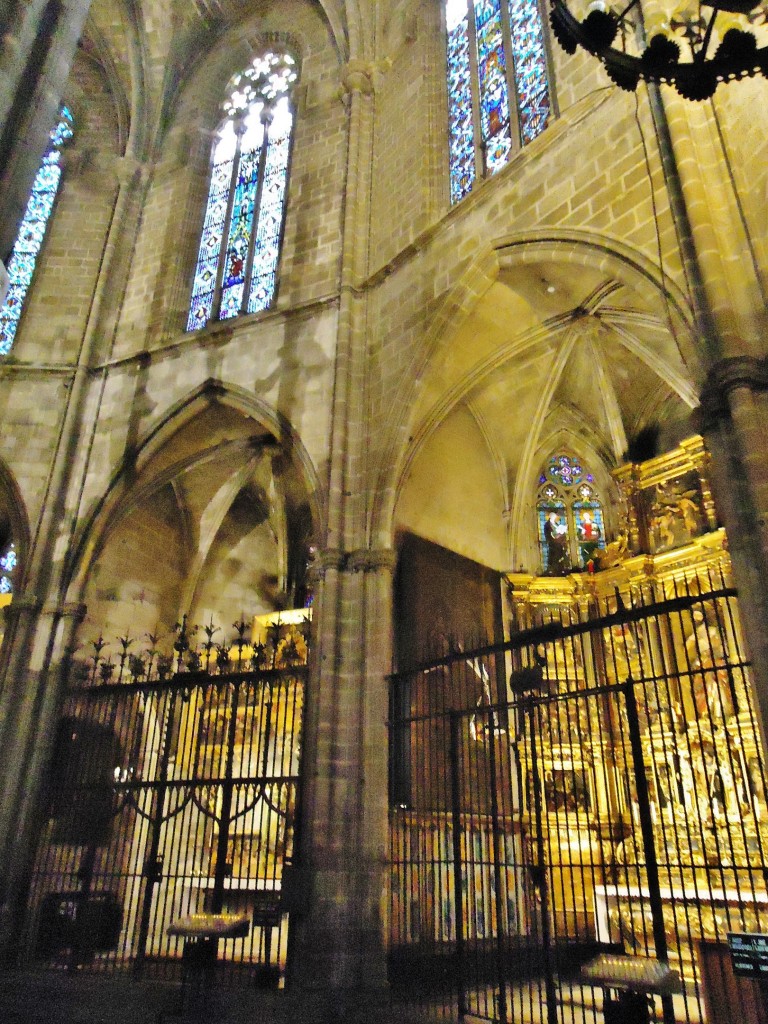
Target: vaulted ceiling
column 553, row 355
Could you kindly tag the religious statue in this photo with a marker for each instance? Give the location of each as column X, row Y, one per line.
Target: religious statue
column 612, row 554
column 711, row 683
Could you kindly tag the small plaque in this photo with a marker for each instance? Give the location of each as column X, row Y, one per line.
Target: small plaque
column 749, row 954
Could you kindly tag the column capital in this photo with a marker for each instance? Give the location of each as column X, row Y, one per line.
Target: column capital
column 324, row 561
column 728, row 375
column 361, row 560
column 371, row 559
column 362, row 76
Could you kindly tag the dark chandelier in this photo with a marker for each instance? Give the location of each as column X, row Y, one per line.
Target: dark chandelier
column 693, row 46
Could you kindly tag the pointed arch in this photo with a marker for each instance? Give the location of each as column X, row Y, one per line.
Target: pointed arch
column 274, row 432
column 498, row 262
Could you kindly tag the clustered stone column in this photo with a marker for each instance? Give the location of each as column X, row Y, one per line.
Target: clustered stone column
column 37, row 48
column 734, row 421
column 339, row 947
column 728, row 296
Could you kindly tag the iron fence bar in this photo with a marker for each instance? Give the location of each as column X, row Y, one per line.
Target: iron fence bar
column 540, row 878
column 649, row 844
column 496, row 837
column 186, row 681
column 152, row 872
column 223, row 868
column 551, row 631
column 457, row 859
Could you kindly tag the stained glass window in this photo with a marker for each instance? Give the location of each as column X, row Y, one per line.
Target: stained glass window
column 460, row 120
column 29, row 241
column 569, row 517
column 236, row 267
column 495, row 51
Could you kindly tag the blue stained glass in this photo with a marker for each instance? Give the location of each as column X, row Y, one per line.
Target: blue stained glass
column 490, row 86
column 240, row 228
column 566, row 470
column 7, row 565
column 553, row 537
column 29, row 241
column 534, row 101
column 270, row 221
column 461, row 125
column 236, row 198
column 492, row 74
column 207, row 267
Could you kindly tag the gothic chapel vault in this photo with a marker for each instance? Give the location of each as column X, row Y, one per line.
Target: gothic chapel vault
column 346, row 344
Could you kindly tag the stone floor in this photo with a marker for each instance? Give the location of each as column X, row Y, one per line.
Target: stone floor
column 49, row 997
column 37, row 997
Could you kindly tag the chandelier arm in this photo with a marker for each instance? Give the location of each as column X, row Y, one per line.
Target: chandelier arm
column 701, row 55
column 622, row 14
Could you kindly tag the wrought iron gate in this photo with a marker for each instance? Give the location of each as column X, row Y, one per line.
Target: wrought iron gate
column 596, row 783
column 174, row 791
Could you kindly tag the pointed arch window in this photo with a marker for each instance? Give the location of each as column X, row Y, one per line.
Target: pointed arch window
column 569, row 516
column 33, row 229
column 237, row 261
column 499, row 93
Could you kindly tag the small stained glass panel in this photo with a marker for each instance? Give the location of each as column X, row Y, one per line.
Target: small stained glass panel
column 34, row 224
column 492, row 75
column 565, row 469
column 7, row 565
column 267, row 245
column 590, row 529
column 460, row 122
column 241, row 225
column 554, row 537
column 211, row 239
column 534, row 102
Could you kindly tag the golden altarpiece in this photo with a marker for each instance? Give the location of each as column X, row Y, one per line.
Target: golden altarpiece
column 663, row 589
column 596, row 777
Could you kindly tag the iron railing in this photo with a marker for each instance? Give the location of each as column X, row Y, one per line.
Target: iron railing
column 596, row 782
column 174, row 791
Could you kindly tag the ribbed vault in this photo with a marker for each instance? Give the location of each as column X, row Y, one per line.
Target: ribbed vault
column 551, row 355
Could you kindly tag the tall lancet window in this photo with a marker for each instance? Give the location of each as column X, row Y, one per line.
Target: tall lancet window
column 499, row 95
column 29, row 241
column 240, row 244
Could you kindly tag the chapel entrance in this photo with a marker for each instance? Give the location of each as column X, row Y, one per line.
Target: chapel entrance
column 174, row 791
column 594, row 783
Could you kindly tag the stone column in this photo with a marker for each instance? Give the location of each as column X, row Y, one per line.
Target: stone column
column 35, row 645
column 734, row 421
column 339, row 949
column 728, row 296
column 35, row 61
column 339, row 958
column 23, row 764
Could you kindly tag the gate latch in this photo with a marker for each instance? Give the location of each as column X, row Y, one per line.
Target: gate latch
column 153, row 869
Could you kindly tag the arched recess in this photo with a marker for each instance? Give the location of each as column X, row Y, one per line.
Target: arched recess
column 214, row 515
column 565, row 332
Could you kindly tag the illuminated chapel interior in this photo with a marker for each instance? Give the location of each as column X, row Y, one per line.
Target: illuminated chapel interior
column 382, row 559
